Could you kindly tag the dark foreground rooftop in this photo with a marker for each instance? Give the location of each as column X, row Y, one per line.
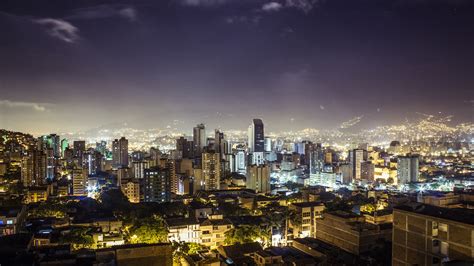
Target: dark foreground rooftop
column 459, row 215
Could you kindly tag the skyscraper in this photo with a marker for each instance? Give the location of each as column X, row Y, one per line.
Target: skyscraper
column 199, row 139
column 120, row 152
column 79, row 182
column 315, row 157
column 157, row 185
column 268, row 144
column 211, row 170
column 64, row 146
column 33, row 168
column 53, row 141
column 356, row 158
column 79, row 147
column 408, row 169
column 219, row 144
column 241, row 161
column 258, row 178
column 256, row 139
column 185, row 147
column 139, row 167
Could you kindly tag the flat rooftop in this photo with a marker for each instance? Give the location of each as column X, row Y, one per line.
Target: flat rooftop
column 459, row 215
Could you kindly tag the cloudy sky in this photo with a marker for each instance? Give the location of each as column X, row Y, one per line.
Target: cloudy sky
column 75, row 65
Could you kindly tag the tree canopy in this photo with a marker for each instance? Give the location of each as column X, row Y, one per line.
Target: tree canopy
column 149, row 230
column 245, row 234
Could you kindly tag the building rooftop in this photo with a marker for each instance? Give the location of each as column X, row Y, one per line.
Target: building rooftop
column 239, row 250
column 459, row 215
column 181, row 221
column 344, row 214
column 216, row 222
column 307, row 204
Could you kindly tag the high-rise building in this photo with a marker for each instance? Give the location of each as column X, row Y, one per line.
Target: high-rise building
column 172, row 165
column 120, row 152
column 220, row 144
column 256, row 138
column 356, row 159
column 258, row 178
column 157, row 185
column 367, row 171
column 199, row 139
column 50, row 163
column 79, row 182
column 33, row 168
column 64, row 146
column 53, row 141
column 139, row 168
column 185, row 147
column 257, row 158
column 79, row 147
column 123, row 174
column 241, row 161
column 155, row 155
column 211, row 172
column 268, row 144
column 408, row 169
column 101, row 147
column 315, row 156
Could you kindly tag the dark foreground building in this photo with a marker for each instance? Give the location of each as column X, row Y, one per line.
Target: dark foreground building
column 430, row 235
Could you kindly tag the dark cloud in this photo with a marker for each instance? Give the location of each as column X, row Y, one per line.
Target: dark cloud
column 105, row 11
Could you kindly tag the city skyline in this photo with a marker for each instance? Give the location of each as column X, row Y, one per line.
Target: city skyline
column 71, row 67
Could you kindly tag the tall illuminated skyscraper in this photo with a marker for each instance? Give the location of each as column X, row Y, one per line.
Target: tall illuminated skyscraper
column 79, row 181
column 356, row 158
column 211, row 171
column 268, row 144
column 241, row 161
column 64, row 146
column 315, row 157
column 33, row 168
column 53, row 141
column 256, row 139
column 199, row 139
column 120, row 152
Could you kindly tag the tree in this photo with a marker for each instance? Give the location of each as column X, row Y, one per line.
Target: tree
column 181, row 249
column 245, row 234
column 78, row 238
column 48, row 209
column 114, row 199
column 149, row 230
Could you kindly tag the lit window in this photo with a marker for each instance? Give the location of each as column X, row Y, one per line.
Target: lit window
column 443, row 227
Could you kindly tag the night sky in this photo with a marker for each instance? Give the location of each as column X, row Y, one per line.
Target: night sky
column 74, row 65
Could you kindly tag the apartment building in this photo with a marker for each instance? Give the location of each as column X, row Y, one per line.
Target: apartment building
column 430, row 235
